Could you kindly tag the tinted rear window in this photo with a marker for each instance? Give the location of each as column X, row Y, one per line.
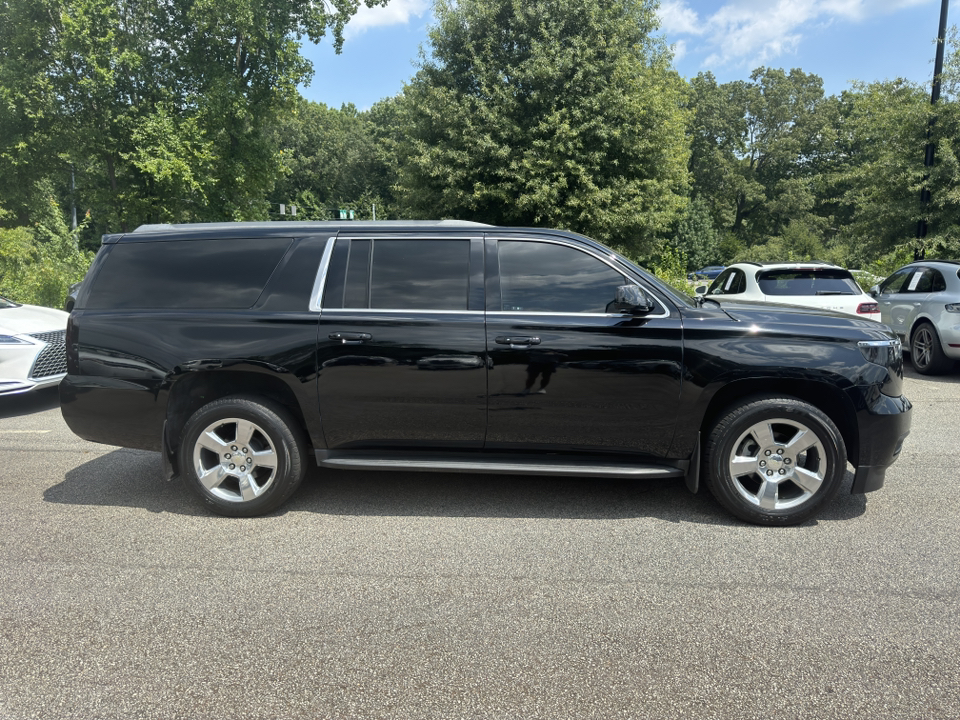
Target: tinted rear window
column 227, row 274
column 807, row 282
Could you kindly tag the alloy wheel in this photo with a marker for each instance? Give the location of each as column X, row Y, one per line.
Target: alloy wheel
column 778, row 464
column 235, row 460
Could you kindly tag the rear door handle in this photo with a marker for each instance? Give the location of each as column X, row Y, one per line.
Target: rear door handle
column 350, row 338
column 517, row 341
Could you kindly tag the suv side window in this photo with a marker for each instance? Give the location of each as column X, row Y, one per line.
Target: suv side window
column 930, row 281
column 894, row 283
column 545, row 277
column 730, row 282
column 223, row 274
column 406, row 275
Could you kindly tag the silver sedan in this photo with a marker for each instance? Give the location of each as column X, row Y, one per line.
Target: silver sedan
column 921, row 302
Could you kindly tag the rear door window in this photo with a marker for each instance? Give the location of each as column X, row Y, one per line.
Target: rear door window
column 807, row 282
column 404, row 274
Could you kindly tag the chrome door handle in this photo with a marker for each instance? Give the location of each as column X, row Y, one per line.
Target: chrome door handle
column 518, row 341
column 350, row 338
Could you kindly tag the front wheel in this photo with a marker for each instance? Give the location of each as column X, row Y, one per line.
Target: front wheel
column 774, row 460
column 242, row 456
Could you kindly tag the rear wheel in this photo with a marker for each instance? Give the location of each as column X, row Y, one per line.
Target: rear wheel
column 242, row 456
column 775, row 460
column 926, row 352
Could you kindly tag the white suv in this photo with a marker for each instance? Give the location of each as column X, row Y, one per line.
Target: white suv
column 810, row 284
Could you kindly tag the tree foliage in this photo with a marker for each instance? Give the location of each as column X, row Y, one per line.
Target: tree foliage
column 547, row 112
column 161, row 107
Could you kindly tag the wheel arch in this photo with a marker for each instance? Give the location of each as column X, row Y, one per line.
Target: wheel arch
column 831, row 400
column 196, row 389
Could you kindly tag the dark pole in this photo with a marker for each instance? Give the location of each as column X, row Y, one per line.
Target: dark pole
column 918, row 253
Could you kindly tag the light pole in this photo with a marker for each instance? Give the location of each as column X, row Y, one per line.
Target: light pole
column 928, row 156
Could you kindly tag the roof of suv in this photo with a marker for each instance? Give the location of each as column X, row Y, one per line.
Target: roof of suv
column 805, row 264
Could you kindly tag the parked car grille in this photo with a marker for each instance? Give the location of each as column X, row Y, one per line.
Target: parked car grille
column 52, row 360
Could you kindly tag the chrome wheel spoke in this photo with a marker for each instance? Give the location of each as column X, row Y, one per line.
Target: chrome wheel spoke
column 245, row 431
column 763, row 434
column 265, row 459
column 212, row 442
column 247, row 488
column 803, row 440
column 212, row 478
column 743, row 465
column 808, row 480
column 767, row 495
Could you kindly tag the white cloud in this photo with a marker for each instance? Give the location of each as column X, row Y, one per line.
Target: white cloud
column 676, row 17
column 679, row 49
column 397, row 12
column 748, row 33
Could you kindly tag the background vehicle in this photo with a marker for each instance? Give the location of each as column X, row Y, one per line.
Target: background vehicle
column 921, row 302
column 32, row 353
column 240, row 351
column 817, row 285
column 706, row 273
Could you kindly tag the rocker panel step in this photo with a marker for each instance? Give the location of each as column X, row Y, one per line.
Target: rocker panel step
column 498, row 465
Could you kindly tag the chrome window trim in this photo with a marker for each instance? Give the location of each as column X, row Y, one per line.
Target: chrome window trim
column 316, row 295
column 589, row 251
column 395, row 311
column 569, row 314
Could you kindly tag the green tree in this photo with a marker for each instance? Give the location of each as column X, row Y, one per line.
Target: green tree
column 160, row 106
column 331, row 159
column 697, row 237
column 557, row 112
column 755, row 146
column 879, row 173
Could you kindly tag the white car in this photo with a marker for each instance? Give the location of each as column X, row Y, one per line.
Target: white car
column 32, row 347
column 810, row 284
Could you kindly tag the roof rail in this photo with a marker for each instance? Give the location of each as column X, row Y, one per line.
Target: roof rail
column 304, row 225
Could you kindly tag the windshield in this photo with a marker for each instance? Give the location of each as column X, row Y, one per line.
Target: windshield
column 813, row 281
column 4, row 303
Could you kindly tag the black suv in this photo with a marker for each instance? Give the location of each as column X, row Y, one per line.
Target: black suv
column 239, row 350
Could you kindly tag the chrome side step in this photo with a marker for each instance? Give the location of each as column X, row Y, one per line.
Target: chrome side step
column 499, row 465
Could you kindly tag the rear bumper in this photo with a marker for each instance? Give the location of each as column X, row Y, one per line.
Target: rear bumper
column 113, row 411
column 882, row 429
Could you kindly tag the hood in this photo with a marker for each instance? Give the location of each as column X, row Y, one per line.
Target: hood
column 764, row 313
column 31, row 319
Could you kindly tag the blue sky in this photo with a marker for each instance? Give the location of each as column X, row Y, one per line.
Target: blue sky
column 839, row 40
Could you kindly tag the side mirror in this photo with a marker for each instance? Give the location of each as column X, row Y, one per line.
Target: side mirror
column 701, row 290
column 632, row 299
column 874, row 291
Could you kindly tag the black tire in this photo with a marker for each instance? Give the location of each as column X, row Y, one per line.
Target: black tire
column 235, row 431
column 783, row 476
column 926, row 352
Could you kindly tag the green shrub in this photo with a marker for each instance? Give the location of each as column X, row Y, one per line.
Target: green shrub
column 38, row 264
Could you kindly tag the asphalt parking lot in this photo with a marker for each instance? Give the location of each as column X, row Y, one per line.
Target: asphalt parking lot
column 380, row 595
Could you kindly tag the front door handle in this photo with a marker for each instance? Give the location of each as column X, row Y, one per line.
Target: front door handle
column 517, row 341
column 350, row 338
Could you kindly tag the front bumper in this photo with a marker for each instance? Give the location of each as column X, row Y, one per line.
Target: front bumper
column 883, row 426
column 34, row 362
column 15, row 386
